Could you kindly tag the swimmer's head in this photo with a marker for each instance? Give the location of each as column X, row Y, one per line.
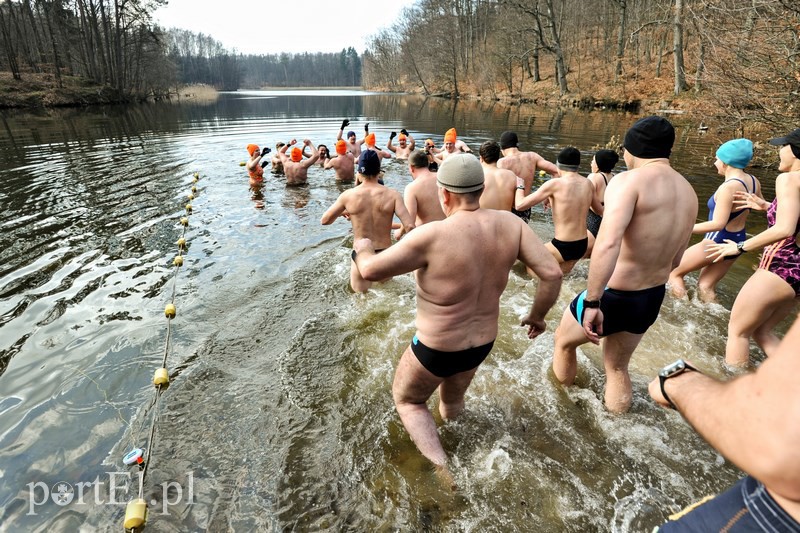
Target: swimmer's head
column 736, row 153
column 460, row 173
column 606, row 160
column 369, row 163
column 401, row 139
column 569, row 159
column 490, row 152
column 370, row 139
column 792, row 139
column 279, row 145
column 252, row 148
column 650, row 138
column 418, row 159
column 297, row 154
column 351, row 136
column 341, row 147
column 323, row 151
column 508, row 139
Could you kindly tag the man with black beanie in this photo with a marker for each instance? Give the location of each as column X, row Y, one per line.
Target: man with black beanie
column 523, row 164
column 650, row 211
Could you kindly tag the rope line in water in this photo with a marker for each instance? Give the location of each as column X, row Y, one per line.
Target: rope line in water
column 136, row 512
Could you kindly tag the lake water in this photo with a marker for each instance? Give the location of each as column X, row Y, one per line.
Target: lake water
column 279, row 415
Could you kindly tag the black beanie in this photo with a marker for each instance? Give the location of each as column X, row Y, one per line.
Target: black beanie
column 606, row 160
column 650, row 138
column 569, row 159
column 508, row 139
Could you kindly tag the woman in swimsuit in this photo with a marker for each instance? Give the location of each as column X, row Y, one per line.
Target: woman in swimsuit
column 603, row 163
column 724, row 222
column 770, row 294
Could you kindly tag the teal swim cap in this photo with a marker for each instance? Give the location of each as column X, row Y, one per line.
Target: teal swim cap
column 736, row 153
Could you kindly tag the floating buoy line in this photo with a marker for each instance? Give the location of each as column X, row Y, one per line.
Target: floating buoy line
column 136, row 511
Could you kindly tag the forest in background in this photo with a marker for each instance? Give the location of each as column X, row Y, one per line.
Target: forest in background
column 114, row 45
column 733, row 61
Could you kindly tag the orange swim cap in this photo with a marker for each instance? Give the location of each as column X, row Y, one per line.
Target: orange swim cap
column 450, row 136
column 429, row 142
column 252, row 148
column 401, row 137
column 370, row 139
column 341, row 147
column 297, row 154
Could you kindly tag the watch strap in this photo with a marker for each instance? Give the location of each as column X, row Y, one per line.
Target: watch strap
column 663, row 379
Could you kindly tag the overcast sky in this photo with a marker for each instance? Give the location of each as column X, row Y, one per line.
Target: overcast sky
column 272, row 27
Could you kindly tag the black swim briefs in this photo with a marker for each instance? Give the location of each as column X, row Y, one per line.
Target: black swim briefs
column 445, row 364
column 572, row 250
column 631, row 311
column 524, row 215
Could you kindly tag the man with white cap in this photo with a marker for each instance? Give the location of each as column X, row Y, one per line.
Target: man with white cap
column 461, row 265
column 649, row 214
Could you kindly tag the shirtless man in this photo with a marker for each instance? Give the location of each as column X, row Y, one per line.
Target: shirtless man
column 451, row 146
column 570, row 196
column 649, row 215
column 277, row 164
column 369, row 141
column 353, row 146
column 523, row 164
column 343, row 163
column 421, row 196
column 500, row 184
column 752, row 421
column 370, row 208
column 461, row 265
column 255, row 167
column 294, row 166
column 406, row 144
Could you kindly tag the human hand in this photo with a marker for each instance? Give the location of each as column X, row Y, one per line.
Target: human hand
column 742, row 200
column 720, row 251
column 264, row 163
column 265, row 151
column 345, row 215
column 392, row 135
column 593, row 324
column 536, row 326
column 366, row 127
column 345, row 123
column 362, row 245
column 306, row 142
column 654, row 388
column 404, row 132
column 292, row 142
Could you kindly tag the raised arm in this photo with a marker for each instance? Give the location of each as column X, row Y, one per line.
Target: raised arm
column 753, row 420
column 389, row 144
column 345, row 123
column 314, row 154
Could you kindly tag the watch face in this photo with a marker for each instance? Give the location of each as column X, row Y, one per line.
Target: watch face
column 674, row 368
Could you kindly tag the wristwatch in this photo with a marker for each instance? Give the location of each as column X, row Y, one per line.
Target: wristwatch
column 740, row 247
column 670, row 371
column 591, row 304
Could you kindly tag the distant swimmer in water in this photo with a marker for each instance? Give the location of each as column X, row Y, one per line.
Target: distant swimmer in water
column 405, row 144
column 570, row 196
column 277, row 164
column 770, row 294
column 369, row 144
column 353, row 146
column 324, row 155
column 462, row 266
column 452, row 145
column 343, row 163
column 370, row 208
column 523, row 164
column 294, row 166
column 724, row 222
column 431, row 151
column 255, row 167
column 602, row 164
column 649, row 214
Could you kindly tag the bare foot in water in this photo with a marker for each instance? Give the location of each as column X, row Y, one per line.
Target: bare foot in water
column 445, row 477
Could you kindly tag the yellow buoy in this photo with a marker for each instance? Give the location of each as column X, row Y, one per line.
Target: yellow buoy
column 161, row 377
column 194, row 189
column 181, row 242
column 190, row 196
column 188, row 208
column 184, row 221
column 196, row 174
column 135, row 514
column 242, row 164
column 170, row 311
column 542, row 173
column 178, row 261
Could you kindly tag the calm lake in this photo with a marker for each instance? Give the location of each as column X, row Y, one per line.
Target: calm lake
column 279, row 415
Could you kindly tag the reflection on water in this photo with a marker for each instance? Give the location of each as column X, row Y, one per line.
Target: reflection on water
column 280, row 413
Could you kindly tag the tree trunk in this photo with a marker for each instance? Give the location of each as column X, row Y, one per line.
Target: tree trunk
column 623, row 16
column 677, row 48
column 561, row 67
column 7, row 44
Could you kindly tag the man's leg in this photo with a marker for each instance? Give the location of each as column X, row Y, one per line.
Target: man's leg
column 451, row 393
column 412, row 387
column 617, row 351
column 358, row 283
column 569, row 335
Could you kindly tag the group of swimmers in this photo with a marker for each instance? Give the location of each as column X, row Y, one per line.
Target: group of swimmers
column 462, row 228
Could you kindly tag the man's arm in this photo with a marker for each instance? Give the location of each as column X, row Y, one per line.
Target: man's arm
column 522, row 202
column 407, row 221
column 536, row 257
column 410, row 201
column 389, row 144
column 345, row 123
column 329, row 163
column 314, row 154
column 753, row 420
column 547, row 166
column 405, row 256
column 334, row 211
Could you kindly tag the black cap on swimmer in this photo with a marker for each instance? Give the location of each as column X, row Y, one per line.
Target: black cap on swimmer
column 508, row 139
column 369, row 164
column 650, row 138
column 606, row 160
column 569, row 159
column 460, row 173
column 792, row 139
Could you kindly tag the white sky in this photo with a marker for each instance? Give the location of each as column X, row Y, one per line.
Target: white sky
column 255, row 27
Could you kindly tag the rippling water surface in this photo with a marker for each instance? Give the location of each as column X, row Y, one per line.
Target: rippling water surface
column 279, row 415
